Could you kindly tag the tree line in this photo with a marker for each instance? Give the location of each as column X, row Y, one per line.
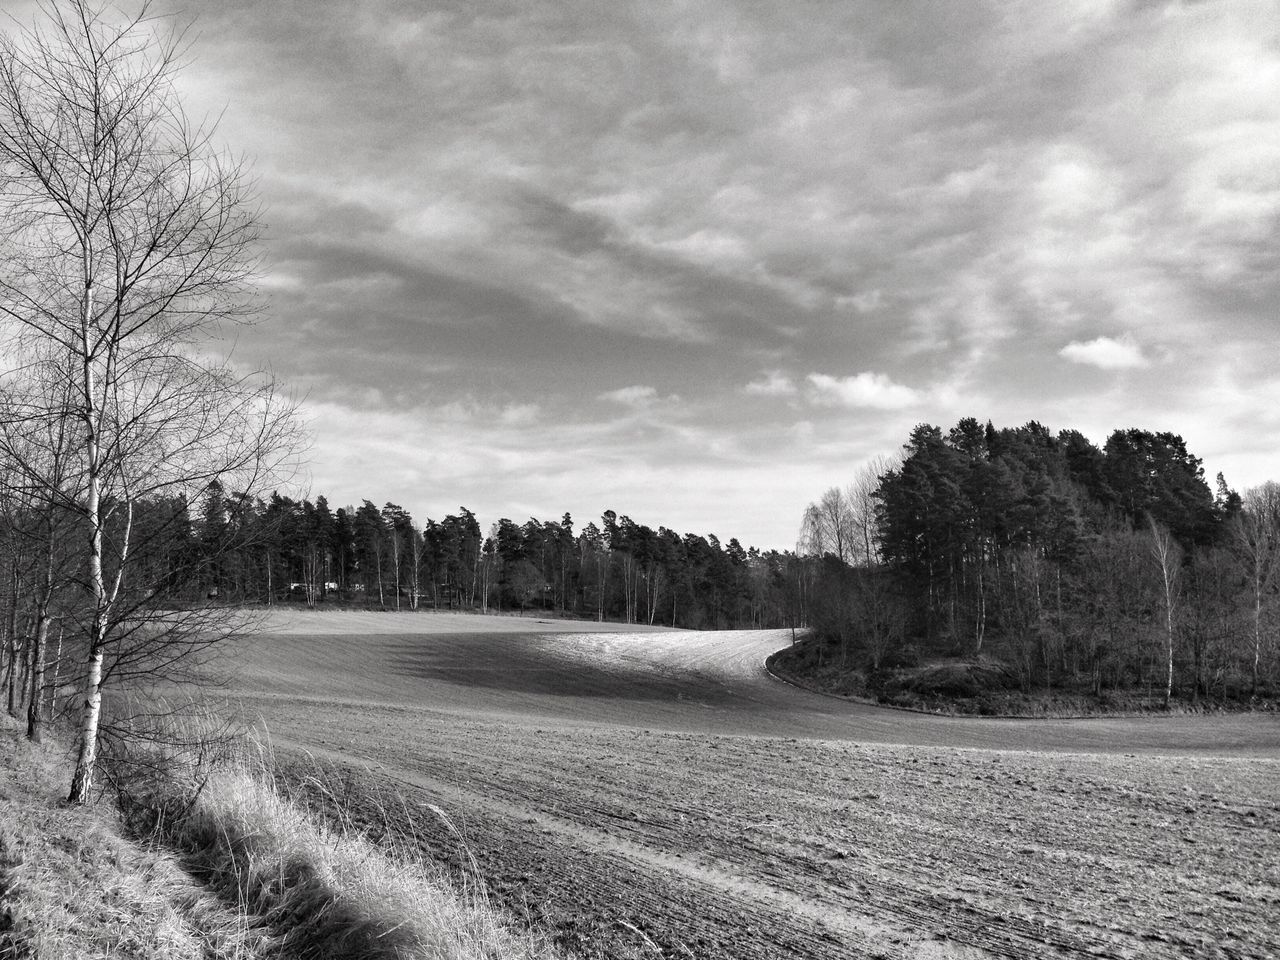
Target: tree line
column 282, row 549
column 179, row 570
column 1102, row 568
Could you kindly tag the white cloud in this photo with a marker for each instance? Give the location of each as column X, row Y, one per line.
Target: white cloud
column 1105, row 353
column 736, row 197
column 636, row 396
column 774, row 383
column 431, row 460
column 520, row 413
column 710, row 246
column 867, row 389
column 1072, row 187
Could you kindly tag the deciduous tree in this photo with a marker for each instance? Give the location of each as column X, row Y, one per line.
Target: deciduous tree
column 128, row 243
column 1255, row 536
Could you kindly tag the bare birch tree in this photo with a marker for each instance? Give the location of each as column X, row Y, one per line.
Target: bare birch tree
column 829, row 527
column 860, row 495
column 1168, row 557
column 128, row 244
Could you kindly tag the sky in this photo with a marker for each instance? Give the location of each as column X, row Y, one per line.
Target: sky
column 696, row 262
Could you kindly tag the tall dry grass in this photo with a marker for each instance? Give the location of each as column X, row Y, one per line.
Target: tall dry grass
column 73, row 886
column 214, row 863
column 322, row 891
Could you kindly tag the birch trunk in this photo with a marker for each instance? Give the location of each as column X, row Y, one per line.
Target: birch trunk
column 1166, row 553
column 57, row 677
column 91, row 708
column 1257, row 639
column 395, row 559
column 91, row 711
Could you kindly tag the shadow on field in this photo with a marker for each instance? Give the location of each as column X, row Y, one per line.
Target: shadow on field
column 526, row 663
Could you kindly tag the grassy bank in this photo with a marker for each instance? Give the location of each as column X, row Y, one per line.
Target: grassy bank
column 216, row 866
column 324, row 891
column 72, row 884
column 983, row 686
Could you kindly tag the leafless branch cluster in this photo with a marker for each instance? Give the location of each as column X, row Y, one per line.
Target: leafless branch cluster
column 128, row 244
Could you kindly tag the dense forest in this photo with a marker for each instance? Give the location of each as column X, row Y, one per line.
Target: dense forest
column 1099, row 569
column 242, row 550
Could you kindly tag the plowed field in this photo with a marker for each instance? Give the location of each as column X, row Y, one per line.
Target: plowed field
column 658, row 794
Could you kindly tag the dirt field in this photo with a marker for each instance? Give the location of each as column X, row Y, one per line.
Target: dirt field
column 657, row 794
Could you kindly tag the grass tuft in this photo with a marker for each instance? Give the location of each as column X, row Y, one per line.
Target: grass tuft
column 322, row 891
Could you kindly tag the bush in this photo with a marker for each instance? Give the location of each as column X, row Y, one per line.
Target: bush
column 900, row 658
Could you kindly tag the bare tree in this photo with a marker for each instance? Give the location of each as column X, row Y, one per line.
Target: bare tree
column 128, row 243
column 843, row 520
column 882, row 619
column 1168, row 557
column 841, row 530
column 828, row 527
column 1256, row 539
column 860, row 495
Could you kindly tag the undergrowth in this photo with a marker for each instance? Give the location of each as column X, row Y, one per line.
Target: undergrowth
column 73, row 886
column 321, row 890
column 968, row 686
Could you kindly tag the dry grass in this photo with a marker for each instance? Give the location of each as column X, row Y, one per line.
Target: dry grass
column 71, row 886
column 221, row 867
column 323, row 891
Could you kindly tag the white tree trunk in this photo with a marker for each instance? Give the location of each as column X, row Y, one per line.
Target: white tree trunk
column 1166, row 553
column 91, row 709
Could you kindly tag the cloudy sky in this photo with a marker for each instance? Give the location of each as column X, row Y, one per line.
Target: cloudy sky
column 697, row 261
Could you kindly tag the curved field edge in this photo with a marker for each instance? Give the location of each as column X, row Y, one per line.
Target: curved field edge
column 693, row 681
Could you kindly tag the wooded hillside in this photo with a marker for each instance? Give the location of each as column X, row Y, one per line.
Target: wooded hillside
column 1119, row 566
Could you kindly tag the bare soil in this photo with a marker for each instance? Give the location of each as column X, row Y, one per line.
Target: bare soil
column 658, row 794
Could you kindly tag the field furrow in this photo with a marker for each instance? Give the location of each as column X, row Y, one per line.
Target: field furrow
column 684, row 832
